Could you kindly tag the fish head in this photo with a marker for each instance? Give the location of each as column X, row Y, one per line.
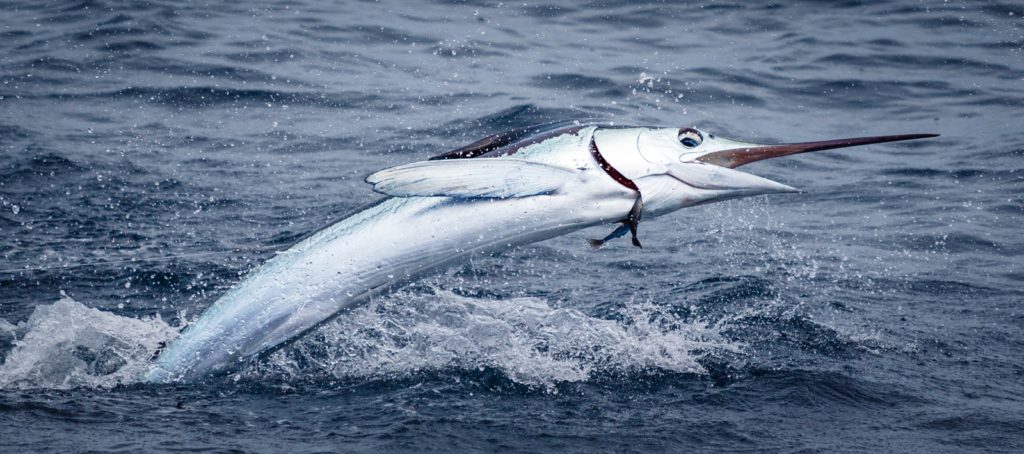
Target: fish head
column 676, row 168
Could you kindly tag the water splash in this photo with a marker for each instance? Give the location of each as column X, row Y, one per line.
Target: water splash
column 526, row 339
column 68, row 345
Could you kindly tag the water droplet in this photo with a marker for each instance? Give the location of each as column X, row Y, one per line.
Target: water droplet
column 15, row 209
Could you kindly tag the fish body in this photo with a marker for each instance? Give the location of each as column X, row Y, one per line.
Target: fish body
column 506, row 190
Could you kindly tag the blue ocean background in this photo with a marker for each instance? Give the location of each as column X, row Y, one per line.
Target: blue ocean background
column 153, row 152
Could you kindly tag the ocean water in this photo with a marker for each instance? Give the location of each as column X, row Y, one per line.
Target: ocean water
column 152, row 153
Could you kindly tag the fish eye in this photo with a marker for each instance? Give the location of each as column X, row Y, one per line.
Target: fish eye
column 690, row 138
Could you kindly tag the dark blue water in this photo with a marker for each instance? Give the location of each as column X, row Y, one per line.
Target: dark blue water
column 151, row 153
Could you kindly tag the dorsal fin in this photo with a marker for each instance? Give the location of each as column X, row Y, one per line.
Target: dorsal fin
column 508, row 142
column 476, row 178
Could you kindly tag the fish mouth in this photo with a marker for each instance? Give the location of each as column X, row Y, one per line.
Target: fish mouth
column 735, row 157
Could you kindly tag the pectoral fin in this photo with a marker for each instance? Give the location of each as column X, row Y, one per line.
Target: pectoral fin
column 633, row 219
column 620, row 231
column 629, row 224
column 471, row 178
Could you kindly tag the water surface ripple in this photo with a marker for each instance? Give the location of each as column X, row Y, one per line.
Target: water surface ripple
column 153, row 152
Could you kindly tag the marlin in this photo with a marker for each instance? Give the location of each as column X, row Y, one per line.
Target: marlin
column 509, row 189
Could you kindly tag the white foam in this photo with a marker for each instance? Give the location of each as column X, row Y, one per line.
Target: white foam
column 68, row 345
column 526, row 339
